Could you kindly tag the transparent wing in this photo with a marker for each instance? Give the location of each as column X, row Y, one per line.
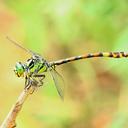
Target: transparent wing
column 59, row 82
column 21, row 47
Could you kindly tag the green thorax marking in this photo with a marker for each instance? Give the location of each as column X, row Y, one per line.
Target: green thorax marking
column 36, row 66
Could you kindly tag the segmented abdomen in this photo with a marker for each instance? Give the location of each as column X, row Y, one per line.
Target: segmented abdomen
column 91, row 55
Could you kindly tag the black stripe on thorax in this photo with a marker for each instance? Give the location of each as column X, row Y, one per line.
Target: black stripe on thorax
column 30, row 63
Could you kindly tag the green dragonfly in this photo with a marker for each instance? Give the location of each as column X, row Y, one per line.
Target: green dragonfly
column 33, row 70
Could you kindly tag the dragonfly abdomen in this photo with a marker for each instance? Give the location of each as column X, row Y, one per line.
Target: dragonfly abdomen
column 115, row 54
column 91, row 55
column 102, row 54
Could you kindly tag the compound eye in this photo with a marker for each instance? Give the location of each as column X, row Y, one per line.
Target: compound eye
column 16, row 73
column 19, row 69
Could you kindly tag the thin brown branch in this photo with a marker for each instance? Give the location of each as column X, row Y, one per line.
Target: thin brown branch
column 10, row 120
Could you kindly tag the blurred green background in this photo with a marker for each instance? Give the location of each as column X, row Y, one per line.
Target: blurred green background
column 96, row 94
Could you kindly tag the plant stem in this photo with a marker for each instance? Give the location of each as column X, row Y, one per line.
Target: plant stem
column 10, row 120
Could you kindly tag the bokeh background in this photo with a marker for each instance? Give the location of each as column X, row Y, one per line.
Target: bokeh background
column 96, row 94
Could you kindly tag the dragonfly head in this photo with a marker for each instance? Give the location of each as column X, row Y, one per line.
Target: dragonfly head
column 19, row 69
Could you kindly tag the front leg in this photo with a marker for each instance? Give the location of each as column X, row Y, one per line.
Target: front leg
column 27, row 83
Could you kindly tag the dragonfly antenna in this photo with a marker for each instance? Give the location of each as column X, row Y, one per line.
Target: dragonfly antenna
column 15, row 43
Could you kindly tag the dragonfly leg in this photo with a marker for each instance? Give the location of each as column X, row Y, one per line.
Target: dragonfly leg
column 39, row 75
column 27, row 83
column 34, row 84
column 34, row 81
column 31, row 82
column 40, row 78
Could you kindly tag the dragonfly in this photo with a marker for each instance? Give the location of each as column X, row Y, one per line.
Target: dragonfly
column 33, row 70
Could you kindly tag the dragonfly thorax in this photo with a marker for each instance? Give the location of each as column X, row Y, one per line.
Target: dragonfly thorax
column 36, row 65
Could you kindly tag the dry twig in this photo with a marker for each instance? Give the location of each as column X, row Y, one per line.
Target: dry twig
column 10, row 120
